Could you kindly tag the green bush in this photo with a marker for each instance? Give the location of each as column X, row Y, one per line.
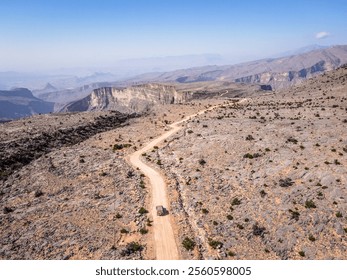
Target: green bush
column 188, row 244
column 311, row 238
column 235, row 201
column 310, row 204
column 295, row 215
column 302, row 253
column 215, row 244
column 118, row 216
column 143, row 211
column 202, row 162
column 231, row 254
column 339, row 214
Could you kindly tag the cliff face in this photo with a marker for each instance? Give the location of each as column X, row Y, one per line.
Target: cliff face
column 128, row 100
column 287, row 78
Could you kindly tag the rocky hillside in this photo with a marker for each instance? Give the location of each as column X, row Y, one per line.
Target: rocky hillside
column 25, row 140
column 265, row 179
column 138, row 98
column 19, row 103
column 278, row 73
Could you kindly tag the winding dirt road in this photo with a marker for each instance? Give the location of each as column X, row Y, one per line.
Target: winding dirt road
column 164, row 239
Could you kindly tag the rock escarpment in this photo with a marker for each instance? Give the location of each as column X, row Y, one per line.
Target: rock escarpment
column 139, row 98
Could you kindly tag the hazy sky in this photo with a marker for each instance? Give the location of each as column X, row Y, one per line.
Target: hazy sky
column 35, row 35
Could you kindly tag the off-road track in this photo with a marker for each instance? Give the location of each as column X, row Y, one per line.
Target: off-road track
column 164, row 239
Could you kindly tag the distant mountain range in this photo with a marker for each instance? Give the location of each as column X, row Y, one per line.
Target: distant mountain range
column 276, row 72
column 101, row 89
column 302, row 50
column 20, row 102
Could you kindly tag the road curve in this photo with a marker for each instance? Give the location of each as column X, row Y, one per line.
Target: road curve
column 164, row 239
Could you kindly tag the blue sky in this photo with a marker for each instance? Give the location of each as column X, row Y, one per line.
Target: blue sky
column 37, row 35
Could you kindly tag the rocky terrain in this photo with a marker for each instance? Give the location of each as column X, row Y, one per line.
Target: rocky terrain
column 265, row 179
column 262, row 177
column 77, row 198
column 28, row 139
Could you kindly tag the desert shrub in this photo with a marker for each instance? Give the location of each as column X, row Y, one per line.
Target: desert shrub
column 130, row 174
column 287, row 182
column 249, row 138
column 143, row 231
column 235, row 201
column 188, row 244
column 240, row 226
column 143, row 211
column 7, row 210
column 231, row 254
column 263, row 193
column 310, row 204
column 38, row 193
column 302, row 253
column 202, row 162
column 215, row 244
column 258, row 230
column 131, row 248
column 294, row 214
column 123, row 230
column 149, row 222
column 339, row 214
column 118, row 216
column 229, row 217
column 311, row 238
column 205, row 211
column 251, row 156
column 292, row 140
column 117, row 147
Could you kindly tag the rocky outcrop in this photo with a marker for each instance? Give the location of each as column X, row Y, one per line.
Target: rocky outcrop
column 138, row 98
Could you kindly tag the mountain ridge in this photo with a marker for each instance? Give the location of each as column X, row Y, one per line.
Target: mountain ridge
column 272, row 70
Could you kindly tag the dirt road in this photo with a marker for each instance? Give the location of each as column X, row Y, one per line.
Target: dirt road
column 164, row 239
